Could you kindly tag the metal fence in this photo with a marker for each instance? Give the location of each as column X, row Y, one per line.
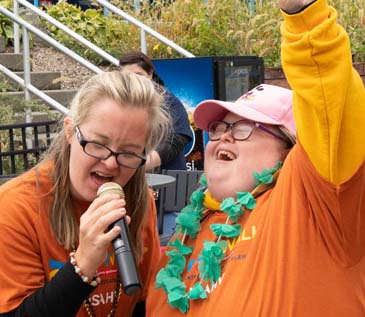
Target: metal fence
column 22, row 145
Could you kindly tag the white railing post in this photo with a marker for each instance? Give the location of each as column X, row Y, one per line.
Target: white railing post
column 143, row 42
column 137, row 5
column 106, row 11
column 145, row 28
column 16, row 28
column 26, row 70
column 27, row 82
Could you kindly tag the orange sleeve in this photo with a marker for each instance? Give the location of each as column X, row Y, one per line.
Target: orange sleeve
column 152, row 246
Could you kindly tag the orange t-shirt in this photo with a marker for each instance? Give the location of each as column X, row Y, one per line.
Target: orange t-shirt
column 299, row 253
column 32, row 256
column 301, row 250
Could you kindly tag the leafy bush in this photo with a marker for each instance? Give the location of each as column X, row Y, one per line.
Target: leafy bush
column 220, row 28
column 6, row 25
column 205, row 28
column 11, row 107
column 110, row 34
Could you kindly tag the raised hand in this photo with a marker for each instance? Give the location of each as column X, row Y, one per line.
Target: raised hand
column 293, row 6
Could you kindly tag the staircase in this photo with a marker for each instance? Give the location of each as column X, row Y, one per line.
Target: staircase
column 48, row 82
column 47, row 85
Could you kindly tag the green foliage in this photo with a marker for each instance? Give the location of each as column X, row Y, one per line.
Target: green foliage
column 6, row 25
column 11, row 106
column 351, row 17
column 205, row 28
column 111, row 34
column 219, row 28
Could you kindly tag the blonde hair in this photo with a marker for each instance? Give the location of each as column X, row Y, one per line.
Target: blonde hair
column 128, row 90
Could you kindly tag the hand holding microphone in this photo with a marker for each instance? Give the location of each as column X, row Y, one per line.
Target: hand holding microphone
column 124, row 255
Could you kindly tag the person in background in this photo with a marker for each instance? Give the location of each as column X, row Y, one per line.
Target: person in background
column 278, row 229
column 56, row 233
column 169, row 154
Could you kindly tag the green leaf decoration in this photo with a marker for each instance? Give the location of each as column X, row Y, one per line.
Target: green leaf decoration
column 227, row 203
column 197, row 292
column 182, row 248
column 266, row 176
column 278, row 165
column 212, row 255
column 188, row 208
column 178, row 299
column 197, row 198
column 161, row 279
column 246, row 200
column 233, row 211
column 203, row 180
column 167, row 282
column 175, row 284
column 226, row 230
column 188, row 223
column 176, row 264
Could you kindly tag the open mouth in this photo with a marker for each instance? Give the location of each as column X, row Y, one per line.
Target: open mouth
column 225, row 156
column 101, row 178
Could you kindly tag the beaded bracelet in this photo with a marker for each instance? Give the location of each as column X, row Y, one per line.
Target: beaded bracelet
column 96, row 279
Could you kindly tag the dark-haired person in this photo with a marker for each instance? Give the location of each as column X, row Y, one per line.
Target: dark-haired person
column 169, row 154
column 55, row 232
column 277, row 229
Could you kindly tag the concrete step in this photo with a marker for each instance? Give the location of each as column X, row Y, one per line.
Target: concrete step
column 37, row 116
column 41, row 80
column 12, row 61
column 63, row 96
column 2, row 44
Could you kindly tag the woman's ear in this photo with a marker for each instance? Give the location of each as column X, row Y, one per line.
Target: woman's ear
column 67, row 125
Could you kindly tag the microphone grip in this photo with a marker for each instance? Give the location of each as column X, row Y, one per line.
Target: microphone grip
column 125, row 259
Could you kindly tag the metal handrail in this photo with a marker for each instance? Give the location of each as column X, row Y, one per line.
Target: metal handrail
column 144, row 28
column 51, row 41
column 53, row 103
column 26, row 59
column 70, row 32
column 26, row 84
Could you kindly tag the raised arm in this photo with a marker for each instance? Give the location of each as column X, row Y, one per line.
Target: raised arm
column 329, row 95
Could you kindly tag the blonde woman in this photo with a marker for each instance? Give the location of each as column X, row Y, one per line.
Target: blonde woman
column 56, row 232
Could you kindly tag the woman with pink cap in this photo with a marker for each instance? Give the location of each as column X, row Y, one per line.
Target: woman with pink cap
column 277, row 227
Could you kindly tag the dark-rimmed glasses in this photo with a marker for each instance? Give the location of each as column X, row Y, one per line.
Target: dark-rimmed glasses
column 125, row 158
column 241, row 130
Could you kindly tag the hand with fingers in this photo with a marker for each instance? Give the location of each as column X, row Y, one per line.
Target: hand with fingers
column 96, row 234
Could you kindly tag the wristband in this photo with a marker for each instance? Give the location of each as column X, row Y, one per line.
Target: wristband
column 95, row 280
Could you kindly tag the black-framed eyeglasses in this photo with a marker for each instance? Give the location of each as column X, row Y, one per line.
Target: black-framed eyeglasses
column 125, row 158
column 241, row 130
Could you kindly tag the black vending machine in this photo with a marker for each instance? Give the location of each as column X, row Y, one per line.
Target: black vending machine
column 195, row 79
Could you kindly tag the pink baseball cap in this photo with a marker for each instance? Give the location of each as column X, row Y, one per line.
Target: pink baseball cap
column 264, row 104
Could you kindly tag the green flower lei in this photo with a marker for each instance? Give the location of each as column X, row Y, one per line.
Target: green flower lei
column 212, row 254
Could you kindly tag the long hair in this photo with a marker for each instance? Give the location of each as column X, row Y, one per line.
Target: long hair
column 128, row 90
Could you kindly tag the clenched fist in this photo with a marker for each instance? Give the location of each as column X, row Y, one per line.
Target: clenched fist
column 293, row 6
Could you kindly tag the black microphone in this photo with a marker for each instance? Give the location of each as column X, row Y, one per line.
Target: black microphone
column 124, row 254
